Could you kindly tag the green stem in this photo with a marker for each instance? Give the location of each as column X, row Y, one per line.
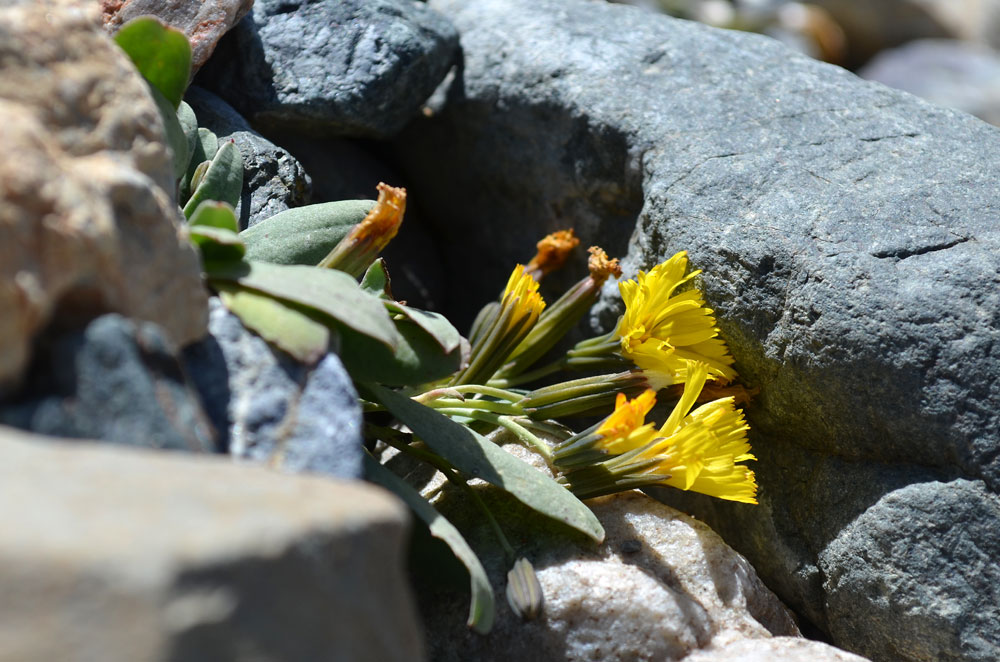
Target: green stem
column 481, row 405
column 530, row 376
column 508, row 423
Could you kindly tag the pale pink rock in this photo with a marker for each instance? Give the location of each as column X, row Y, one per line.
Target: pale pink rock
column 88, row 219
column 203, row 21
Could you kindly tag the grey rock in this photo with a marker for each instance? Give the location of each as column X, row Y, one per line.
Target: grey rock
column 272, row 409
column 949, row 73
column 273, row 180
column 88, row 221
column 847, row 234
column 120, row 555
column 886, row 567
column 340, row 67
column 203, row 23
column 116, row 381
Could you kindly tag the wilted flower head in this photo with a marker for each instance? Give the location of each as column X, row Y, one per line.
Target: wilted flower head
column 553, row 250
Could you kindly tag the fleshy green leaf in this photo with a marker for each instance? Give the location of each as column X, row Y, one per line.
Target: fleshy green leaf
column 277, row 322
column 215, row 214
column 206, row 145
column 189, row 123
column 217, row 245
column 175, row 132
column 481, row 608
column 160, row 53
column 474, row 455
column 331, row 293
column 436, row 325
column 304, row 235
column 416, row 359
column 222, row 181
column 376, row 280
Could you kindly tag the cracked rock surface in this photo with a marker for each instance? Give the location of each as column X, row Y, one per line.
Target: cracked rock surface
column 850, row 247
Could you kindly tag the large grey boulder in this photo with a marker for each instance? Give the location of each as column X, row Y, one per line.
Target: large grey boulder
column 88, row 219
column 849, row 239
column 340, row 67
column 123, row 555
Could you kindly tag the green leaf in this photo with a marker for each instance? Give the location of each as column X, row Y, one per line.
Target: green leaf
column 416, row 359
column 304, row 235
column 474, row 455
column 435, row 325
column 160, row 53
column 215, row 214
column 205, row 147
column 222, row 181
column 329, row 292
column 481, row 608
column 174, row 132
column 277, row 322
column 217, row 245
column 376, row 280
column 189, row 123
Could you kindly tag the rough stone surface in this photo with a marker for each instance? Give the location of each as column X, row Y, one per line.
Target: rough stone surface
column 272, row 409
column 273, row 180
column 116, row 381
column 776, row 649
column 849, row 241
column 923, row 610
column 122, row 555
column 88, row 223
column 947, row 72
column 661, row 585
column 203, row 22
column 344, row 67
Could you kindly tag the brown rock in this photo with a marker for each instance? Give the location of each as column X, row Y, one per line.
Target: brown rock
column 204, row 22
column 88, row 222
column 119, row 556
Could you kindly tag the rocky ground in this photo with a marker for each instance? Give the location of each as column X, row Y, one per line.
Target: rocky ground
column 848, row 237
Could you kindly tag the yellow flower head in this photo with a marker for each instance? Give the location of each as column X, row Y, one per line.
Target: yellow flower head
column 699, row 451
column 623, row 430
column 521, row 298
column 693, row 450
column 663, row 331
column 502, row 328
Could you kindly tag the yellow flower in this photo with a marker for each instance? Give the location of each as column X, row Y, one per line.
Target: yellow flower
column 664, row 330
column 502, row 328
column 521, row 297
column 693, row 450
column 623, row 430
column 700, row 450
